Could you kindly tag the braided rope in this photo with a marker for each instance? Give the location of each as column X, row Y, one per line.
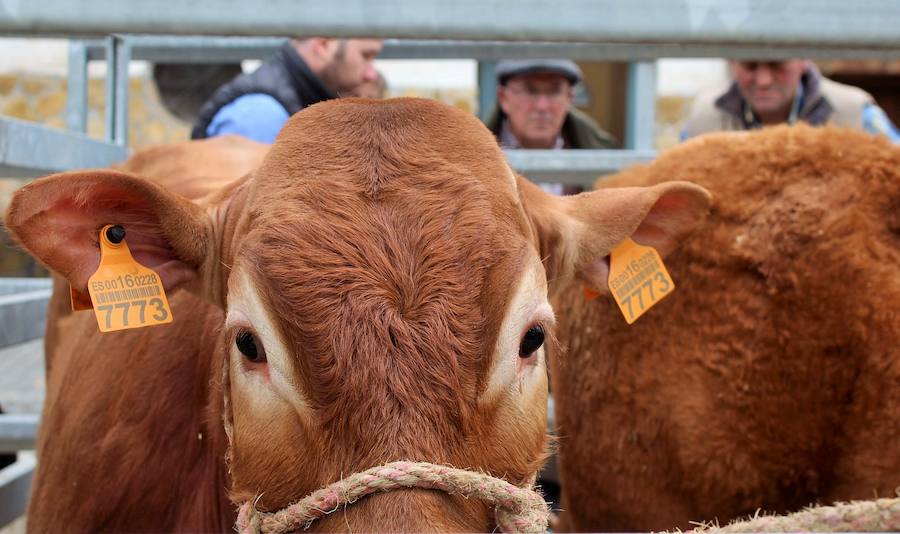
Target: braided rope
column 882, row 515
column 516, row 509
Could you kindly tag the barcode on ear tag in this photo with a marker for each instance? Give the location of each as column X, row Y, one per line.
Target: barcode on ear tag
column 124, row 293
column 638, row 279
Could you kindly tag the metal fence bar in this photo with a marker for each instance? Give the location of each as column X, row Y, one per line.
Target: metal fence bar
column 580, row 51
column 864, row 23
column 22, row 316
column 18, row 432
column 15, row 485
column 214, row 49
column 10, row 285
column 111, row 50
column 121, row 82
column 29, row 149
column 487, row 88
column 640, row 116
column 581, row 167
column 77, row 90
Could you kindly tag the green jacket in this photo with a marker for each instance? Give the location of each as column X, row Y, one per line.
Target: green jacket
column 578, row 130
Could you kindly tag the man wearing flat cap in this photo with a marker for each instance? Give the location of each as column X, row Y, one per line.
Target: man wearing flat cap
column 535, row 110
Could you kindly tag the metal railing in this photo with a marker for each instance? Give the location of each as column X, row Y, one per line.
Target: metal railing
column 23, row 305
column 639, row 120
column 869, row 24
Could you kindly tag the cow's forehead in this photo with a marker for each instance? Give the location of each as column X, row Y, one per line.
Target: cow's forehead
column 402, row 218
column 393, row 188
column 371, row 143
column 426, row 249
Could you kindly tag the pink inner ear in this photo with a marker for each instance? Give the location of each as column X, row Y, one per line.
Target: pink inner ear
column 596, row 275
column 671, row 202
column 63, row 226
column 673, row 215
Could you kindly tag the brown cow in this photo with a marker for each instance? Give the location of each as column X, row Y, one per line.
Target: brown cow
column 375, row 292
column 771, row 377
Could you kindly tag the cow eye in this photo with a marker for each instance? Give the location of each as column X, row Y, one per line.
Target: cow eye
column 246, row 343
column 531, row 341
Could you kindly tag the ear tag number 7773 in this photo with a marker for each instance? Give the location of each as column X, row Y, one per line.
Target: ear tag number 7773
column 125, row 294
column 637, row 279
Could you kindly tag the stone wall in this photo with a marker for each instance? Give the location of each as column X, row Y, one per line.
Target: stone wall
column 42, row 99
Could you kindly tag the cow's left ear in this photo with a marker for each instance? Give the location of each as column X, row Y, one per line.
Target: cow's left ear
column 59, row 218
column 575, row 234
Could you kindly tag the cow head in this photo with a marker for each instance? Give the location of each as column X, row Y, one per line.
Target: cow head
column 384, row 276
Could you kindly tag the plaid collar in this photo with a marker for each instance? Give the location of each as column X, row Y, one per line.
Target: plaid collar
column 508, row 139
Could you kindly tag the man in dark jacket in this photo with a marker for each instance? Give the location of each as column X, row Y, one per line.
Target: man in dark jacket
column 535, row 110
column 301, row 73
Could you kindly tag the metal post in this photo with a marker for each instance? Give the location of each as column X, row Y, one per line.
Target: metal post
column 28, row 149
column 839, row 23
column 200, row 49
column 15, row 484
column 111, row 65
column 487, row 88
column 77, row 93
column 640, row 121
column 18, row 432
column 123, row 58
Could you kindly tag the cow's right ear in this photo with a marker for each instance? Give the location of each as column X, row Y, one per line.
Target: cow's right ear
column 575, row 234
column 58, row 220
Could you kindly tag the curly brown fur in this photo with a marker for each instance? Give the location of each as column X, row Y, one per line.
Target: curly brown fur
column 769, row 379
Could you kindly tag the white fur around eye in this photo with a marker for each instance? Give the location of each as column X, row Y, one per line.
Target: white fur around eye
column 527, row 306
column 246, row 309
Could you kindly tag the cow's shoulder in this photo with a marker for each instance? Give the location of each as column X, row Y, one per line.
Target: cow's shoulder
column 142, row 393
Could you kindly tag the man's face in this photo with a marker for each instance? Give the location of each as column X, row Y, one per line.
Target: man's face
column 535, row 106
column 352, row 64
column 769, row 86
column 371, row 89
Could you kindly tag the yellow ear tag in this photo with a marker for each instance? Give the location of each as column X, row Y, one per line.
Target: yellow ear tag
column 637, row 279
column 126, row 294
column 80, row 301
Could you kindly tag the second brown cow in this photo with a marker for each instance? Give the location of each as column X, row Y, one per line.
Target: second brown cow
column 770, row 379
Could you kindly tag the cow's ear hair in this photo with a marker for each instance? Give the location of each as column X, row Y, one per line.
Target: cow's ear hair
column 58, row 220
column 575, row 234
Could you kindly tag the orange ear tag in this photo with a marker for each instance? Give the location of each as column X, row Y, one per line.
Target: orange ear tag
column 126, row 294
column 80, row 301
column 637, row 279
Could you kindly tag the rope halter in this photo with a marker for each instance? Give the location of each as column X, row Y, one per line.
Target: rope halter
column 516, row 509
column 881, row 515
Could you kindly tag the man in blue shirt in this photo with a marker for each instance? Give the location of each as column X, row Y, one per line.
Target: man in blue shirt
column 299, row 74
column 764, row 93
